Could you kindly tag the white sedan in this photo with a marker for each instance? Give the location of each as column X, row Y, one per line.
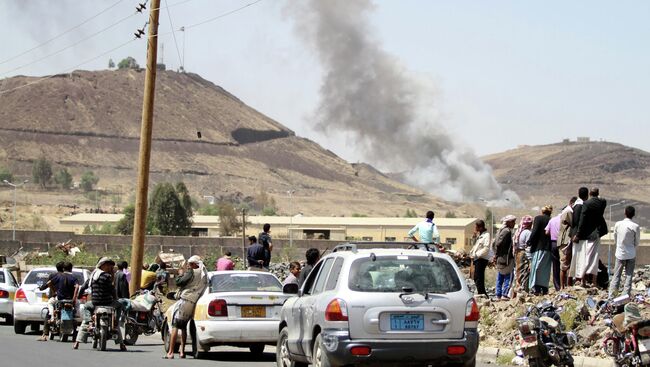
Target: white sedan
column 30, row 303
column 8, row 285
column 239, row 308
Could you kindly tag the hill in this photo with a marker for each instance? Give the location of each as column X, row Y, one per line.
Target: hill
column 553, row 173
column 203, row 135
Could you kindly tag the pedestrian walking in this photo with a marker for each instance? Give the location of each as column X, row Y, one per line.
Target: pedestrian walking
column 426, row 229
column 522, row 253
column 591, row 227
column 578, row 253
column 225, row 262
column 627, row 236
column 505, row 260
column 481, row 254
column 540, row 248
column 553, row 231
column 564, row 243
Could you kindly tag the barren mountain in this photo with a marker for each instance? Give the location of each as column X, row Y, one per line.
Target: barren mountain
column 552, row 173
column 202, row 134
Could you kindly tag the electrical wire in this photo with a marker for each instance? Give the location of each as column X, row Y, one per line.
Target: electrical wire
column 68, row 69
column 222, row 15
column 60, row 34
column 171, row 25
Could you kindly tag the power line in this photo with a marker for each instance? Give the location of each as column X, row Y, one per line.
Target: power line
column 223, row 15
column 178, row 52
column 68, row 69
column 61, row 34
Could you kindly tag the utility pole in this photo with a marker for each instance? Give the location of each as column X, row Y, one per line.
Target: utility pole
column 243, row 243
column 137, row 246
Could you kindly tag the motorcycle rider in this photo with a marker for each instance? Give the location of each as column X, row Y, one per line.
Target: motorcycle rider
column 66, row 286
column 192, row 282
column 103, row 294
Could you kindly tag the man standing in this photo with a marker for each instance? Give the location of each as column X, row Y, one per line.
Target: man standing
column 255, row 255
column 553, row 231
column 294, row 272
column 426, row 229
column 225, row 262
column 578, row 255
column 191, row 284
column 590, row 228
column 480, row 255
column 564, row 242
column 505, row 259
column 121, row 283
column 312, row 255
column 627, row 235
column 265, row 241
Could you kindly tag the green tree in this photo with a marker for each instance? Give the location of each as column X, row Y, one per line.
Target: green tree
column 5, row 175
column 410, row 214
column 229, row 223
column 359, row 215
column 209, row 210
column 450, row 214
column 269, row 210
column 167, row 214
column 185, row 198
column 88, row 181
column 111, row 64
column 63, row 178
column 42, row 172
column 128, row 63
column 125, row 225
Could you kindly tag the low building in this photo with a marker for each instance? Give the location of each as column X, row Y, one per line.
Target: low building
column 457, row 232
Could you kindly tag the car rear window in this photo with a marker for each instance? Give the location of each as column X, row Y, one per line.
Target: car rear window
column 244, row 283
column 39, row 277
column 2, row 277
column 399, row 273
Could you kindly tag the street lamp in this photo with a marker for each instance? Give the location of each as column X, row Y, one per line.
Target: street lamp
column 611, row 239
column 15, row 186
column 290, row 193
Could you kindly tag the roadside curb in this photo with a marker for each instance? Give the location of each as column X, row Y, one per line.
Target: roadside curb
column 490, row 355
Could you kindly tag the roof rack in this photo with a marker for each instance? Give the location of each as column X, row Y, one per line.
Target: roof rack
column 354, row 246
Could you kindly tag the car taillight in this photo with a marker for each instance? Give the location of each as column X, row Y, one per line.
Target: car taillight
column 20, row 296
column 337, row 310
column 472, row 314
column 454, row 350
column 218, row 308
column 4, row 294
column 360, row 351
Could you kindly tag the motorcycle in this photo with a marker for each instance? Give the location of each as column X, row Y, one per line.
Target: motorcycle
column 63, row 323
column 143, row 316
column 542, row 339
column 104, row 326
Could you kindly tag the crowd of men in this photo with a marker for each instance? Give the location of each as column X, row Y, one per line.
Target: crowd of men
column 563, row 248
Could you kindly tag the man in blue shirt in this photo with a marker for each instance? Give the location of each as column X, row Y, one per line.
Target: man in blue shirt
column 255, row 255
column 427, row 230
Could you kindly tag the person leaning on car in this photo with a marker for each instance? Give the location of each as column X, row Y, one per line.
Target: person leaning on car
column 256, row 255
column 312, row 255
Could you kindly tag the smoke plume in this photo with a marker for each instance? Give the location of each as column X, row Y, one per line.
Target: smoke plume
column 389, row 113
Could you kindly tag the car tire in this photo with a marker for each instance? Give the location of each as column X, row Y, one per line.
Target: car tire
column 9, row 319
column 282, row 357
column 166, row 334
column 35, row 327
column 257, row 349
column 319, row 357
column 19, row 327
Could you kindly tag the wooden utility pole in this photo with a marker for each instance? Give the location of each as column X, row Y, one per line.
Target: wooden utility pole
column 243, row 243
column 139, row 227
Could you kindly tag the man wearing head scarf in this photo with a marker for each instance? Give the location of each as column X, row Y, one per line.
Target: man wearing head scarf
column 578, row 251
column 504, row 256
column 191, row 284
column 564, row 243
column 540, row 248
column 522, row 252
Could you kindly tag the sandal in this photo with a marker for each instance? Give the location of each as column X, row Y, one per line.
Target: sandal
column 166, row 357
column 42, row 338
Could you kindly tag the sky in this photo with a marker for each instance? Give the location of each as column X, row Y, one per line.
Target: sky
column 505, row 73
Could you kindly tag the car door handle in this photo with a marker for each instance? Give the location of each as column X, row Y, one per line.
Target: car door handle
column 440, row 322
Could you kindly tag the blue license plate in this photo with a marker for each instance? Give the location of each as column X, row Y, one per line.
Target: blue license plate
column 407, row 322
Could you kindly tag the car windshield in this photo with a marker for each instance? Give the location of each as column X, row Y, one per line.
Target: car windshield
column 39, row 277
column 403, row 274
column 234, row 282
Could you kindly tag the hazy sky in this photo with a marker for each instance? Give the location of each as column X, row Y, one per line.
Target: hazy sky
column 505, row 73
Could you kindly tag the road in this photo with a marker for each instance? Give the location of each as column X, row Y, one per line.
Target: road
column 24, row 350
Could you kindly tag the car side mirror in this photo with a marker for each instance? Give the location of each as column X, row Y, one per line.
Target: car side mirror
column 291, row 288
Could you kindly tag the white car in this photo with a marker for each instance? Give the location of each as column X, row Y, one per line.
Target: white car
column 30, row 302
column 239, row 308
column 8, row 285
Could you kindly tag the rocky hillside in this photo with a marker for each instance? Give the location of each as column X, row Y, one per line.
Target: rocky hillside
column 552, row 173
column 203, row 135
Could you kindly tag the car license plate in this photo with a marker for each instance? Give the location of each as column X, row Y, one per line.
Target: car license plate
column 253, row 311
column 407, row 322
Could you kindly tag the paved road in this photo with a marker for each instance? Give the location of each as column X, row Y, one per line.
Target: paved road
column 24, row 350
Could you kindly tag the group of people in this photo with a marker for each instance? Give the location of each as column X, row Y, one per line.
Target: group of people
column 565, row 247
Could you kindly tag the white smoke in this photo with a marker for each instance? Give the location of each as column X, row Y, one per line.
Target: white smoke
column 391, row 115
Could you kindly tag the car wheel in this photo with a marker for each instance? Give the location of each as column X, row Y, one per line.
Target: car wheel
column 282, row 357
column 9, row 319
column 319, row 357
column 35, row 327
column 257, row 349
column 19, row 327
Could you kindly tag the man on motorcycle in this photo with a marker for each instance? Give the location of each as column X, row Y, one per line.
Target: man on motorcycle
column 191, row 284
column 103, row 294
column 65, row 286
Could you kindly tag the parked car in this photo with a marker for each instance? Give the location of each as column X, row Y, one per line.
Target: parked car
column 239, row 308
column 380, row 306
column 30, row 302
column 8, row 285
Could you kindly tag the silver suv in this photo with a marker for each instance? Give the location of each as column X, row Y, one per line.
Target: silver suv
column 380, row 306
